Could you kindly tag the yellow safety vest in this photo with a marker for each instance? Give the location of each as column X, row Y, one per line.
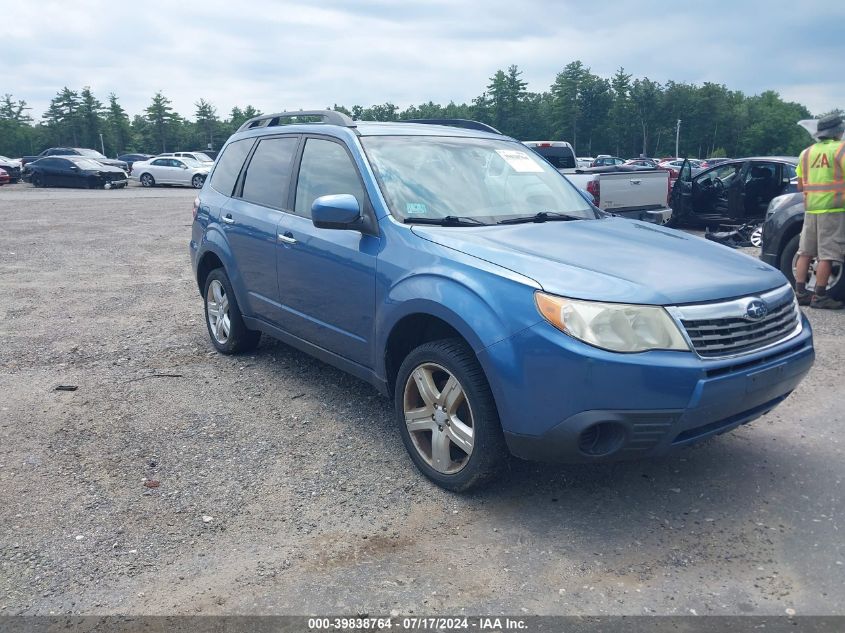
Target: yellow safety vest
column 821, row 168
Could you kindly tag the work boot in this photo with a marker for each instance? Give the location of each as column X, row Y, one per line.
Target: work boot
column 826, row 303
column 804, row 297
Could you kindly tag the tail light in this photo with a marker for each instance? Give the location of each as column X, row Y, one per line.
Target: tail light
column 196, row 207
column 594, row 188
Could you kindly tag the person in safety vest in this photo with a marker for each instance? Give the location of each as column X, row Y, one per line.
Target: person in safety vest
column 821, row 177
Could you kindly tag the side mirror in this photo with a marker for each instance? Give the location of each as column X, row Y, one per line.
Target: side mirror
column 74, row 167
column 338, row 211
column 184, row 166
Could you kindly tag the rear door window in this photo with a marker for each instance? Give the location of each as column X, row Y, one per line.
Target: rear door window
column 267, row 179
column 326, row 169
column 229, row 166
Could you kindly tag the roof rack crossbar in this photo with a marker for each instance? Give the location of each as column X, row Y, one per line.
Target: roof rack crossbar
column 467, row 124
column 330, row 117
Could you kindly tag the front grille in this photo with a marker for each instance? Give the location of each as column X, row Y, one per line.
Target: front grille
column 718, row 330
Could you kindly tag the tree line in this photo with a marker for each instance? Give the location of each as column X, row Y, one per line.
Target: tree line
column 620, row 115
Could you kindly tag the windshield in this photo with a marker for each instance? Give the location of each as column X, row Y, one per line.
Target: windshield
column 90, row 153
column 203, row 157
column 84, row 163
column 431, row 177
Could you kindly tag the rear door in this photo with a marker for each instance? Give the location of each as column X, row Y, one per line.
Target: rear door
column 250, row 220
column 159, row 169
column 327, row 277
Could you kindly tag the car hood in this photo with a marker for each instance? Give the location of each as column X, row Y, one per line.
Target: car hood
column 614, row 260
column 107, row 168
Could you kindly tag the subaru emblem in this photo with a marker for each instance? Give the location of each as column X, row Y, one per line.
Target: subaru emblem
column 756, row 310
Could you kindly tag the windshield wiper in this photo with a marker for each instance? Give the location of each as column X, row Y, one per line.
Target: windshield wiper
column 543, row 216
column 449, row 220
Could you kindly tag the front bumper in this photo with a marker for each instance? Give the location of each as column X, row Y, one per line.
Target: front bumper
column 562, row 400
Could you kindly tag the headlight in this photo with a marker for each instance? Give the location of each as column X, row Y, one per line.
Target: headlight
column 617, row 327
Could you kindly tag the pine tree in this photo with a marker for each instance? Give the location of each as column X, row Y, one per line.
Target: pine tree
column 162, row 119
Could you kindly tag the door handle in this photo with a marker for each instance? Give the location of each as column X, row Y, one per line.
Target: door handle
column 635, row 182
column 228, row 219
column 287, row 237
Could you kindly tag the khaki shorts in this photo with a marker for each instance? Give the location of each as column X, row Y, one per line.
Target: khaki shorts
column 823, row 236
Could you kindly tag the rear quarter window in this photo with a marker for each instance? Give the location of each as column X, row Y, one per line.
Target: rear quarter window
column 229, row 166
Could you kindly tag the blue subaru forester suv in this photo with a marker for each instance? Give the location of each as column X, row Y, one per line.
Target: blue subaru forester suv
column 463, row 276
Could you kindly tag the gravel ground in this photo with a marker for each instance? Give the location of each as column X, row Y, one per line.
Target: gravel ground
column 284, row 488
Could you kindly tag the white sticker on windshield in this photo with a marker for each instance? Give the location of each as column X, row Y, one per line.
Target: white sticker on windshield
column 519, row 161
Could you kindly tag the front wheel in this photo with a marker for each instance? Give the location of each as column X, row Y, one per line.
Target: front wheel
column 147, row 180
column 447, row 416
column 197, row 181
column 789, row 263
column 226, row 327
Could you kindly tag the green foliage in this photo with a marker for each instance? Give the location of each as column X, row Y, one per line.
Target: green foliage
column 620, row 115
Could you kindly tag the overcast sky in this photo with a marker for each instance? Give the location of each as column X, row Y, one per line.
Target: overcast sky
column 296, row 54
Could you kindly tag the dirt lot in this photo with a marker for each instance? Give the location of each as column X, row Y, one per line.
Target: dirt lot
column 284, row 487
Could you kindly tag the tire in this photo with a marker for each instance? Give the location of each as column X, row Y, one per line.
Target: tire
column 197, row 181
column 238, row 338
column 836, row 284
column 14, row 181
column 147, row 180
column 36, row 180
column 430, row 368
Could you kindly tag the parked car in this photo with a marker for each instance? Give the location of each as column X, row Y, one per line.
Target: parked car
column 73, row 171
column 603, row 160
column 649, row 163
column 4, row 177
column 584, row 161
column 468, row 280
column 170, row 171
column 781, row 231
column 131, row 159
column 712, row 162
column 559, row 153
column 629, row 191
column 200, row 157
column 76, row 151
column 12, row 168
column 732, row 192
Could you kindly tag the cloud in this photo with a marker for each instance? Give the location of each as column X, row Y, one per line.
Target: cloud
column 297, row 54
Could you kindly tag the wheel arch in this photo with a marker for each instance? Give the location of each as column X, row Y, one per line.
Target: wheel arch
column 214, row 253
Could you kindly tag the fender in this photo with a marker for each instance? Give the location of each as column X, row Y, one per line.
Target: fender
column 214, row 241
column 469, row 305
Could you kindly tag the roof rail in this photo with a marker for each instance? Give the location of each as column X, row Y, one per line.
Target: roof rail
column 330, row 117
column 464, row 123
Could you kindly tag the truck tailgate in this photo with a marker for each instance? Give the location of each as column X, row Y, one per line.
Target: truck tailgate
column 634, row 190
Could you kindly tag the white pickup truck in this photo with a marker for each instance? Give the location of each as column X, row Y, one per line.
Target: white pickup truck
column 632, row 192
column 637, row 193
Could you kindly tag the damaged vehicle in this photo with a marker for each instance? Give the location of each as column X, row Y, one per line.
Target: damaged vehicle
column 733, row 192
column 781, row 232
column 73, row 171
column 467, row 279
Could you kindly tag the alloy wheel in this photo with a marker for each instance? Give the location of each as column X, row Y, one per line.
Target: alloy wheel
column 217, row 308
column 439, row 418
column 835, row 273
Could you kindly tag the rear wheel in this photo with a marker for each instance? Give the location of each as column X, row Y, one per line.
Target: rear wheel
column 789, row 262
column 147, row 180
column 447, row 416
column 223, row 319
column 37, row 180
